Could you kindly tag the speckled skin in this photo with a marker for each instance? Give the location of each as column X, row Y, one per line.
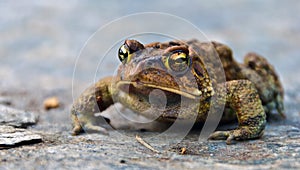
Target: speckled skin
column 251, row 90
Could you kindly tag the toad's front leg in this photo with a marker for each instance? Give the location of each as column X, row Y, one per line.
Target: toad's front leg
column 243, row 98
column 94, row 99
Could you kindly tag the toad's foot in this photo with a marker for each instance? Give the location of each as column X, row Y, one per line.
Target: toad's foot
column 243, row 99
column 82, row 125
column 241, row 133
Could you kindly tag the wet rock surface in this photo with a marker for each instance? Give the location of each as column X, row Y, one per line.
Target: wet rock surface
column 12, row 137
column 5, row 101
column 17, row 118
column 38, row 49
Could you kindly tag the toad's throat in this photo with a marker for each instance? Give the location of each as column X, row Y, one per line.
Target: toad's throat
column 191, row 95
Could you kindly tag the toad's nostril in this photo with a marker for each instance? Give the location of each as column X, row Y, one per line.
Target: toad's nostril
column 252, row 64
column 149, row 64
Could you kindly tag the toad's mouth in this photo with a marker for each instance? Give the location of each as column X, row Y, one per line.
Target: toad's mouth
column 143, row 87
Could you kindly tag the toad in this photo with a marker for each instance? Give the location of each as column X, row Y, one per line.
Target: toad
column 186, row 73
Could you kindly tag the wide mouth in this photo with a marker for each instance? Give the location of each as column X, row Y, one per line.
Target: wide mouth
column 142, row 86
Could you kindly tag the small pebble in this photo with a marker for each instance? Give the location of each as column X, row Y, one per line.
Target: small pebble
column 51, row 103
column 182, row 151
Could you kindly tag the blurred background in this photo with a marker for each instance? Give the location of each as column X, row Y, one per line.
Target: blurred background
column 40, row 40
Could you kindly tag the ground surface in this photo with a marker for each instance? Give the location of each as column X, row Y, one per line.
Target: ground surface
column 38, row 48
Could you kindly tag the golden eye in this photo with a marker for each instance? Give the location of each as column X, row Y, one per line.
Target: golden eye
column 124, row 53
column 178, row 62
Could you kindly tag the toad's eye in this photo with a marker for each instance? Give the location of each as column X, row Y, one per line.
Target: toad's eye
column 124, row 53
column 178, row 62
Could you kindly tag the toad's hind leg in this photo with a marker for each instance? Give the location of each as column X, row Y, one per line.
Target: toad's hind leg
column 267, row 82
column 243, row 98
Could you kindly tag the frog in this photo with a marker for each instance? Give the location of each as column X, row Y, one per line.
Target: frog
column 183, row 71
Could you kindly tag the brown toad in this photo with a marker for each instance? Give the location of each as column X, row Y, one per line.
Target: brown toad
column 186, row 73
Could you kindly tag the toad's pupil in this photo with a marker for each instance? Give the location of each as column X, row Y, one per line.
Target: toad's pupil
column 122, row 54
column 181, row 60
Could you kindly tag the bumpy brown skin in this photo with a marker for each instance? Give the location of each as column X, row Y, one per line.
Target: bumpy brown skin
column 251, row 90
